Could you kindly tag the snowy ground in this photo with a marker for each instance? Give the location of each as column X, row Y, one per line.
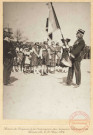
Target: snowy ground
column 46, row 97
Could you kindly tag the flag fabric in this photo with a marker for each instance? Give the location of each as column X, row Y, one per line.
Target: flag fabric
column 50, row 35
column 52, row 23
column 49, row 30
column 53, row 18
column 47, row 24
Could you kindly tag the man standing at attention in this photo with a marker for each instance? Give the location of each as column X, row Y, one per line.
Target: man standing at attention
column 76, row 58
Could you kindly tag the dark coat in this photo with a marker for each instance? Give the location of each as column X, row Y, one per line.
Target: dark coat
column 77, row 49
column 8, row 50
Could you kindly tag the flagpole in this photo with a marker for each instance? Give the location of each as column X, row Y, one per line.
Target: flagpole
column 61, row 34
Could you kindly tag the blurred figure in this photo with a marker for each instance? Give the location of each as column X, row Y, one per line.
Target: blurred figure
column 58, row 56
column 53, row 56
column 16, row 60
column 8, row 56
column 35, row 56
column 27, row 60
column 20, row 60
column 44, row 57
column 65, row 61
column 15, row 65
column 49, row 59
column 40, row 57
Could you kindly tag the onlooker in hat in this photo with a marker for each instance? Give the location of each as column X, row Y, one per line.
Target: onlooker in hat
column 76, row 58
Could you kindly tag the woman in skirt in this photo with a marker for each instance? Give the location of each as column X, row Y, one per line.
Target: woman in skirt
column 44, row 57
column 20, row 60
column 16, row 62
column 39, row 51
column 53, row 56
column 58, row 56
column 34, row 59
column 49, row 59
column 15, row 68
column 27, row 60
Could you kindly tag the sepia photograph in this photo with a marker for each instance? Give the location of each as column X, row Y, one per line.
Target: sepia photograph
column 46, row 60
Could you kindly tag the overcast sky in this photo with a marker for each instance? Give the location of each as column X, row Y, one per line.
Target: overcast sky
column 30, row 18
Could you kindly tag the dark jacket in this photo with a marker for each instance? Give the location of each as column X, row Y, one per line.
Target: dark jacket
column 8, row 50
column 77, row 49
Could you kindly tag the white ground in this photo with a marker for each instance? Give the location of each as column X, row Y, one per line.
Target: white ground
column 46, row 97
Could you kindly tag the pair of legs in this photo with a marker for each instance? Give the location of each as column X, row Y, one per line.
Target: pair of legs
column 20, row 67
column 58, row 65
column 26, row 68
column 44, row 70
column 52, row 69
column 75, row 68
column 15, row 68
column 36, row 71
column 64, row 69
column 44, row 67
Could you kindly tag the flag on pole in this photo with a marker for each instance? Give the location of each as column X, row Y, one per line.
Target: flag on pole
column 52, row 20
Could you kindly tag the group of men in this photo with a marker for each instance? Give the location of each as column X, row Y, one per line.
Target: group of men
column 42, row 58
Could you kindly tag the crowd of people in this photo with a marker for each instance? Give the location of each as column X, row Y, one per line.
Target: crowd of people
column 40, row 57
column 37, row 58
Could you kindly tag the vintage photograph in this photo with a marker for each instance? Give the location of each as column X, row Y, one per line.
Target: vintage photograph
column 46, row 59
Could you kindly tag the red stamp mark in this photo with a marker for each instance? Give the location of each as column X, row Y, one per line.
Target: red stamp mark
column 79, row 121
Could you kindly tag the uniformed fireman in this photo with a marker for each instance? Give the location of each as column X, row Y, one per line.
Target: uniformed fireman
column 76, row 58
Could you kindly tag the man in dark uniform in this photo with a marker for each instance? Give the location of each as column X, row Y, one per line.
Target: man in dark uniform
column 8, row 55
column 76, row 58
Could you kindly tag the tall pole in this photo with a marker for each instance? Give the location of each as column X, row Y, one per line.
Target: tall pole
column 61, row 34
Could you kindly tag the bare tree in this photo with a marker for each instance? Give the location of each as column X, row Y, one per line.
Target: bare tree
column 18, row 35
column 25, row 39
